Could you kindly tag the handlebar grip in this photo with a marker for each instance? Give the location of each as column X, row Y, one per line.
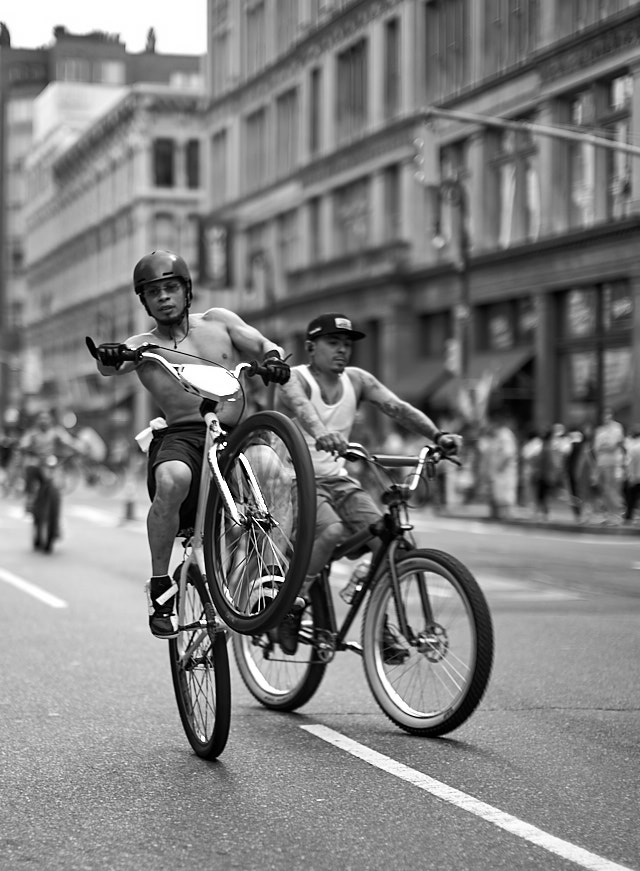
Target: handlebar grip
column 91, row 345
column 125, row 354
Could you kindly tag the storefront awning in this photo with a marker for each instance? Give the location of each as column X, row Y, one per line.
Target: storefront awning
column 500, row 366
column 424, row 379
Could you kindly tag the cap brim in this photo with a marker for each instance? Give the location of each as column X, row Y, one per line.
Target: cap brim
column 353, row 334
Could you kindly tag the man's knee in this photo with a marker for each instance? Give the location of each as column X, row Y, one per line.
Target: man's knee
column 332, row 534
column 172, row 482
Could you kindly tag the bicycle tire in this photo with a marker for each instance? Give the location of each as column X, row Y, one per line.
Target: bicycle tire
column 432, row 686
column 200, row 672
column 279, row 681
column 255, row 568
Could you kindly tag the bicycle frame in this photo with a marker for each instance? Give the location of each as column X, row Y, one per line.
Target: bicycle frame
column 393, row 531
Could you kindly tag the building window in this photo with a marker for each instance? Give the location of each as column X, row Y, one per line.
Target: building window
column 351, row 109
column 504, row 325
column 219, row 59
column 164, row 163
column 447, row 46
column 434, row 331
column 255, row 36
column 392, row 203
column 596, row 351
column 109, row 72
column 600, row 179
column 574, row 15
column 256, row 150
column 73, row 69
column 351, row 216
column 512, row 32
column 258, row 268
column 287, row 12
column 392, row 71
column 219, row 167
column 315, row 230
column 287, row 132
column 315, row 111
column 192, row 155
column 618, row 94
column 287, row 240
column 517, row 184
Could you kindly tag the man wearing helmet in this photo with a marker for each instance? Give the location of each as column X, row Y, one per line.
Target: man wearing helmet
column 162, row 282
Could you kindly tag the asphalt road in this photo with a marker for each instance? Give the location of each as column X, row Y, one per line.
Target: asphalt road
column 96, row 772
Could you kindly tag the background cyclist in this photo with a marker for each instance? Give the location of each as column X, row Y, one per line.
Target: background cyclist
column 323, row 397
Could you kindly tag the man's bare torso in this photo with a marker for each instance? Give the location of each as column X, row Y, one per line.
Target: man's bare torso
column 208, row 337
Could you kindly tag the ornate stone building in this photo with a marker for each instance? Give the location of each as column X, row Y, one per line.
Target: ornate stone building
column 99, row 63
column 505, row 254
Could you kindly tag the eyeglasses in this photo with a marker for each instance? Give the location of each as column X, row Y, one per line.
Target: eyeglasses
column 159, row 287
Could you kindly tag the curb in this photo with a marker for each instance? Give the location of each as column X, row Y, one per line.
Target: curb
column 555, row 525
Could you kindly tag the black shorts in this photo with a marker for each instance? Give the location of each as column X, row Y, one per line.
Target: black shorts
column 184, row 442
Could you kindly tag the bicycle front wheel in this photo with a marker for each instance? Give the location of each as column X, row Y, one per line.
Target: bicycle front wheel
column 256, row 566
column 431, row 679
column 200, row 671
column 286, row 681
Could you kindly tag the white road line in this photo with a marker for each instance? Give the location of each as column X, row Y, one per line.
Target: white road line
column 31, row 589
column 527, row 832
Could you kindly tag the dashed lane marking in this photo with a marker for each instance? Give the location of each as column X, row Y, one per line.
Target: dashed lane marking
column 519, row 828
column 31, row 589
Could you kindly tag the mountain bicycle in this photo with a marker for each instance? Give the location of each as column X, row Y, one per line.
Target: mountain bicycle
column 427, row 635
column 247, row 553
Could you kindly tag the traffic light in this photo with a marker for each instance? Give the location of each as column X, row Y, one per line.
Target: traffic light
column 426, row 157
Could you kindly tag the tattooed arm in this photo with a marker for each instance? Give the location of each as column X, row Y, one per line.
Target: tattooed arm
column 371, row 390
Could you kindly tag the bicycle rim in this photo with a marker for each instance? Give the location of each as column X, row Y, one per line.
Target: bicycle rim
column 280, row 681
column 255, row 567
column 430, row 684
column 200, row 673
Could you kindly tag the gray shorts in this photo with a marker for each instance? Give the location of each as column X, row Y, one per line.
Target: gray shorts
column 342, row 498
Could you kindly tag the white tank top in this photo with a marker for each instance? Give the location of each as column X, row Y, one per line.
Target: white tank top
column 338, row 417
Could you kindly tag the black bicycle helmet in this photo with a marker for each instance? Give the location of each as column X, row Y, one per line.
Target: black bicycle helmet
column 160, row 265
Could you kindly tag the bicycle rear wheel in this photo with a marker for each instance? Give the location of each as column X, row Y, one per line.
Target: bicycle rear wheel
column 280, row 681
column 256, row 567
column 200, row 671
column 431, row 682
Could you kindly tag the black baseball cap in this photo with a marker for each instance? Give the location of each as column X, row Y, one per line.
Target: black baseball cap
column 327, row 325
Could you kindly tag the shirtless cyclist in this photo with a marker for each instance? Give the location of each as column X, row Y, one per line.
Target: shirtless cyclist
column 163, row 284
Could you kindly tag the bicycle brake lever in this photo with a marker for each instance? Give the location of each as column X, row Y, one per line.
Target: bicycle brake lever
column 91, row 345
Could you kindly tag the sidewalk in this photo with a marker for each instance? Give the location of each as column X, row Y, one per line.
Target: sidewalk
column 560, row 518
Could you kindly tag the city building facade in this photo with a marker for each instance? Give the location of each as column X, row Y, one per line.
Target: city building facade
column 84, row 69
column 497, row 260
column 459, row 176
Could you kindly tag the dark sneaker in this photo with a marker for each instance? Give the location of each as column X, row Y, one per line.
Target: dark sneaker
column 290, row 627
column 161, row 597
column 392, row 651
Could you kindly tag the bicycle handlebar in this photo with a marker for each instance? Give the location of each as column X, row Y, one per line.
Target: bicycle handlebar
column 133, row 355
column 432, row 453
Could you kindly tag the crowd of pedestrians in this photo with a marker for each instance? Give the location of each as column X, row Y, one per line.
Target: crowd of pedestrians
column 593, row 470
